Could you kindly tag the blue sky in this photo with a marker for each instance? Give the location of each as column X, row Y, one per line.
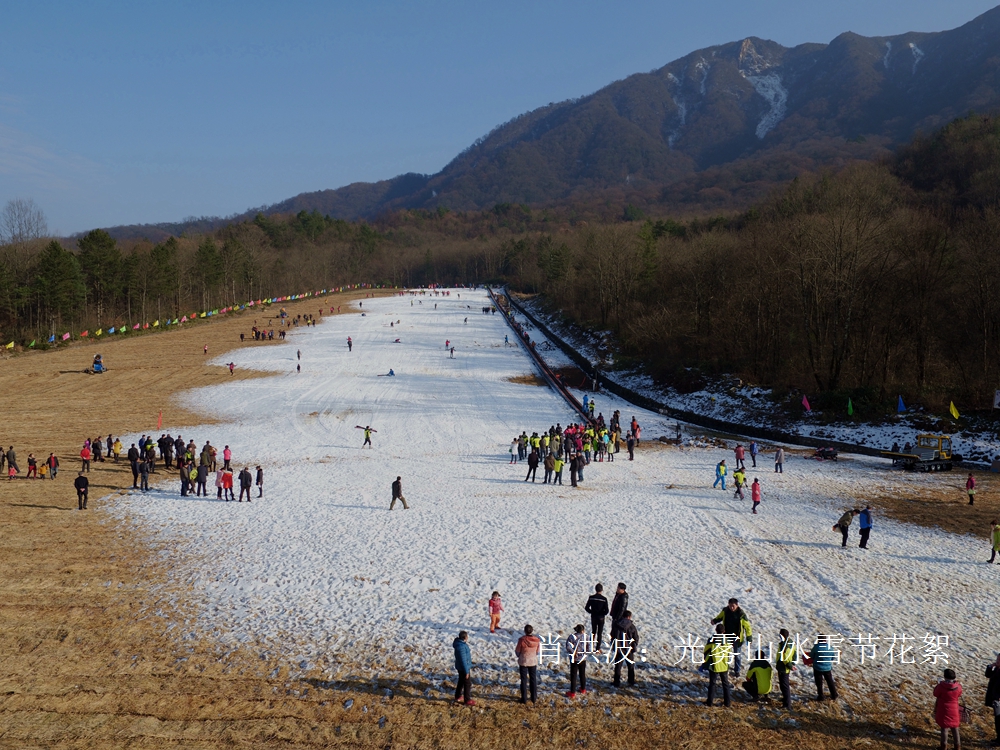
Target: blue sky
column 132, row 112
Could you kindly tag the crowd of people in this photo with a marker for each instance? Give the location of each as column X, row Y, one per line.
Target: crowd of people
column 573, row 447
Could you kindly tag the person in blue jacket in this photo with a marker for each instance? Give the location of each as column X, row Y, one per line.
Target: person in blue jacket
column 866, row 526
column 463, row 664
column 821, row 658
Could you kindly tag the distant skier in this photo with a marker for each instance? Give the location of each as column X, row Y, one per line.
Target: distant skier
column 368, row 434
column 453, row 352
column 349, row 343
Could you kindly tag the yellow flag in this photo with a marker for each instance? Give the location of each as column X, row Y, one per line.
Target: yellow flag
column 99, row 332
column 10, row 345
column 202, row 315
column 953, row 410
column 156, row 323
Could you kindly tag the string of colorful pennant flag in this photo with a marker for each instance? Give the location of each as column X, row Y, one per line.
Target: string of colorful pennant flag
column 160, row 324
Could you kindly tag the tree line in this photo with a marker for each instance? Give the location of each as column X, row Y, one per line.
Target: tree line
column 882, row 278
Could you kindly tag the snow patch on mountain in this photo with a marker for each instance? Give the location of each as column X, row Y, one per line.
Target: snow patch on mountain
column 888, row 51
column 918, row 55
column 681, row 113
column 704, row 68
column 769, row 86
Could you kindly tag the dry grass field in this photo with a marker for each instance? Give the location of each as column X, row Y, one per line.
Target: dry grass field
column 89, row 658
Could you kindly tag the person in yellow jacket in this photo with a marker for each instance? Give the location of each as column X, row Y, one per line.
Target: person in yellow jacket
column 785, row 663
column 995, row 536
column 116, row 449
column 737, row 625
column 758, row 682
column 718, row 652
column 557, row 467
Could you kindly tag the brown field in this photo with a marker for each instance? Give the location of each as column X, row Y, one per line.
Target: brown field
column 529, row 379
column 92, row 659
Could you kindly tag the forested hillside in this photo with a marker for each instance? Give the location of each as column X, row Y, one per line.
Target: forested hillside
column 883, row 277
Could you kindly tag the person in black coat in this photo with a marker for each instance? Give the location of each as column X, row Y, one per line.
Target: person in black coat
column 993, row 696
column 629, row 653
column 82, row 484
column 597, row 607
column 133, row 459
column 532, row 465
column 574, row 467
column 618, row 607
column 246, row 482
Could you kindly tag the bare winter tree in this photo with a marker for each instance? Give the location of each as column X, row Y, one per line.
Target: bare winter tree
column 22, row 222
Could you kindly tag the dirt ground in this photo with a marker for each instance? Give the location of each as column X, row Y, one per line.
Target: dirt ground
column 90, row 658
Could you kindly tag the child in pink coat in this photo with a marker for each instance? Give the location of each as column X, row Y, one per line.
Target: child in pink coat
column 495, row 609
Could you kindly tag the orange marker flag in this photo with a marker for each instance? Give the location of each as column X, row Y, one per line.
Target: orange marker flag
column 159, row 421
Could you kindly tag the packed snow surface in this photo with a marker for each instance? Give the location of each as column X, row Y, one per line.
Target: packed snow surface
column 320, row 565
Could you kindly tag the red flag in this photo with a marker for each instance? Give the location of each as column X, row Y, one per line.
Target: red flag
column 159, row 421
column 805, row 404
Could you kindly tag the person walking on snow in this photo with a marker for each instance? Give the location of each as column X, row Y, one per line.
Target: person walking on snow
column 844, row 524
column 865, row 524
column 463, row 665
column 349, row 343
column 532, row 466
column 740, row 452
column 246, row 481
column 739, row 479
column 970, row 487
column 260, row 482
column 995, row 541
column 754, row 450
column 720, row 474
column 779, row 461
column 495, row 607
column 397, row 494
column 368, row 435
column 597, row 608
column 755, row 494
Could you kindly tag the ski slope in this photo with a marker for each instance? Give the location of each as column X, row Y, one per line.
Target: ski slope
column 320, row 565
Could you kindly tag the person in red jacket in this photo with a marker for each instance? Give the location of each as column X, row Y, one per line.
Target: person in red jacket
column 755, row 494
column 85, row 457
column 740, row 454
column 946, row 710
column 528, row 648
column 970, row 487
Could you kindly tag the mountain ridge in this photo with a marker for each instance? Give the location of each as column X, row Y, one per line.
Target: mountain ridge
column 737, row 110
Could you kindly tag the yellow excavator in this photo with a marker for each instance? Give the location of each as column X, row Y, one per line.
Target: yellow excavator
column 931, row 453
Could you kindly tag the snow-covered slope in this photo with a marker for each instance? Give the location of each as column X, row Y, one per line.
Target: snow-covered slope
column 320, row 567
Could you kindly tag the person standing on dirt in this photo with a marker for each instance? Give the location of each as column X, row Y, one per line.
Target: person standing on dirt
column 821, row 659
column 463, row 665
column 844, row 524
column 785, row 665
column 53, row 463
column 597, row 608
column 779, row 461
column 628, row 646
column 865, row 524
column 85, row 458
column 528, row 648
column 397, row 494
column 717, row 653
column 12, row 460
column 246, row 482
column 82, row 485
column 532, row 465
column 993, row 695
column 970, row 487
